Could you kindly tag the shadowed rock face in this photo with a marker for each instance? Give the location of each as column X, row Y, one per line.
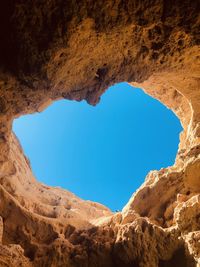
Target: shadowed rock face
column 76, row 50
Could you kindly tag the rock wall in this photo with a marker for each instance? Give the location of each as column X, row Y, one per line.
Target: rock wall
column 75, row 50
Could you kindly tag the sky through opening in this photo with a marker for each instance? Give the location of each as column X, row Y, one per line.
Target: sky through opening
column 100, row 153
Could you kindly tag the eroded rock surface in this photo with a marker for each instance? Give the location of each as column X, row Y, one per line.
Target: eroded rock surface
column 75, row 50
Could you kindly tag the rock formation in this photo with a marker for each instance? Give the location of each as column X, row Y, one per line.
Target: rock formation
column 57, row 49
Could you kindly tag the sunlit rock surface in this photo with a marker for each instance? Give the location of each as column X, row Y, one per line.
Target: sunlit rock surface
column 76, row 50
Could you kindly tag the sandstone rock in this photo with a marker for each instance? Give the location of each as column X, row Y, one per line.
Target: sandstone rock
column 75, row 50
column 1, row 229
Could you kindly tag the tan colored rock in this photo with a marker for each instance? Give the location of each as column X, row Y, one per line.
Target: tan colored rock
column 1, row 229
column 51, row 50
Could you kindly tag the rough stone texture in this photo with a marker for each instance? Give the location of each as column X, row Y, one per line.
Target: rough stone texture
column 75, row 50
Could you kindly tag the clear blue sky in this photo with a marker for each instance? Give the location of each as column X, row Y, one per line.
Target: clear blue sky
column 100, row 153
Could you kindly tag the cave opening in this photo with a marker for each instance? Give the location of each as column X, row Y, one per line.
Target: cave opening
column 100, row 153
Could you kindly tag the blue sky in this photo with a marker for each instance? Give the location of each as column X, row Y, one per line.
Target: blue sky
column 100, row 153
